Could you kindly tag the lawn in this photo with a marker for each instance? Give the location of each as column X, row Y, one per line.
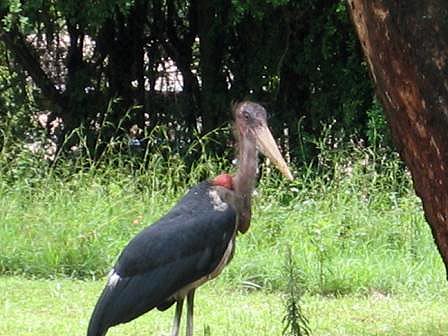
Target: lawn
column 63, row 307
column 364, row 255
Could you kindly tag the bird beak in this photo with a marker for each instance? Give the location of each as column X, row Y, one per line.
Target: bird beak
column 268, row 147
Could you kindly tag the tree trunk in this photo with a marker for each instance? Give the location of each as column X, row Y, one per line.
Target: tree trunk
column 77, row 80
column 179, row 46
column 122, row 40
column 212, row 23
column 406, row 46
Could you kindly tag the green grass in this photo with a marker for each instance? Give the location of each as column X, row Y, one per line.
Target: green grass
column 354, row 226
column 63, row 307
column 341, row 245
column 364, row 253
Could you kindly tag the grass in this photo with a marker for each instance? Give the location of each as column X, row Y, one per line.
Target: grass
column 63, row 307
column 343, row 242
column 364, row 254
column 353, row 226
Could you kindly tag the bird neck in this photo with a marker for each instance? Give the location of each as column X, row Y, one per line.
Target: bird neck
column 245, row 178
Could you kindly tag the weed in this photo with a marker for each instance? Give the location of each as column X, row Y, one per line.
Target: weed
column 295, row 322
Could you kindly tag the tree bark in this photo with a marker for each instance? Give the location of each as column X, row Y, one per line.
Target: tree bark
column 179, row 46
column 212, row 24
column 406, row 46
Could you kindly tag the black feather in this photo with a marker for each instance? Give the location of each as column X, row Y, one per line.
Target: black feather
column 183, row 246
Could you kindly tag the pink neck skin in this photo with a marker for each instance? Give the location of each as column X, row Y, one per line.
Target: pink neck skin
column 223, row 180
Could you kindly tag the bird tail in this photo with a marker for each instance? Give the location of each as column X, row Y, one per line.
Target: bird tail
column 95, row 331
column 124, row 299
column 96, row 325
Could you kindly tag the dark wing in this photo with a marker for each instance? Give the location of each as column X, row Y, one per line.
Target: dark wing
column 182, row 247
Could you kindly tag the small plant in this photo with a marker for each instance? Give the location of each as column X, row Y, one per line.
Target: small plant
column 295, row 322
column 207, row 331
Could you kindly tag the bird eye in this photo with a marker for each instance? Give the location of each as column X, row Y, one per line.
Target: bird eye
column 246, row 115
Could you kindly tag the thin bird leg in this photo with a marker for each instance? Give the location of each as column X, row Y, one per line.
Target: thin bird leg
column 190, row 303
column 177, row 316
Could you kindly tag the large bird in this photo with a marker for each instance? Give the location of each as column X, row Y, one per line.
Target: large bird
column 193, row 242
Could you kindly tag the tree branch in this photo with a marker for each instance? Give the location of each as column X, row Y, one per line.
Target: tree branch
column 26, row 56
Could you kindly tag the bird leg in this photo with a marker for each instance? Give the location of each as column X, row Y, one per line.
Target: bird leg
column 190, row 303
column 177, row 316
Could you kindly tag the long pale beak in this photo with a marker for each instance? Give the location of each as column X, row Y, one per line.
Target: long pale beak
column 268, row 147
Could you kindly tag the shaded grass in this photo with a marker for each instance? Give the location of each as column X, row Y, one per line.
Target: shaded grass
column 63, row 307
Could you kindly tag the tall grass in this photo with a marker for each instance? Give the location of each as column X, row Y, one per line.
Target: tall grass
column 351, row 218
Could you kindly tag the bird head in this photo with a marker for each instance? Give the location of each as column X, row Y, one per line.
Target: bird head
column 250, row 119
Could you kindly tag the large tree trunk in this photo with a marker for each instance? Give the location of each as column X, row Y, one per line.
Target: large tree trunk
column 406, row 46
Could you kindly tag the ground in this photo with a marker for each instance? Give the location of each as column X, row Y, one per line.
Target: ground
column 63, row 307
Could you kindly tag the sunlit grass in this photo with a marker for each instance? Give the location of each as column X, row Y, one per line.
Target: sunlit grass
column 63, row 307
column 364, row 253
column 353, row 226
column 343, row 243
column 351, row 218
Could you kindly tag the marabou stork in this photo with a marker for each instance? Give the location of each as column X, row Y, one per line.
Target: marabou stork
column 193, row 242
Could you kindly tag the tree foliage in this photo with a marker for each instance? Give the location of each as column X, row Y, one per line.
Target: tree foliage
column 299, row 58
